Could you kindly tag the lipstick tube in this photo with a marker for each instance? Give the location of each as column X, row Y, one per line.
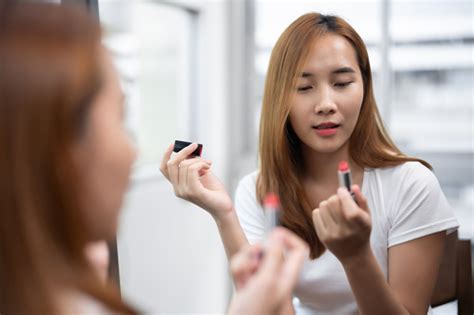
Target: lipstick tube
column 271, row 206
column 345, row 178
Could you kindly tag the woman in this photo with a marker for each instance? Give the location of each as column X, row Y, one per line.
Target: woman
column 376, row 254
column 65, row 164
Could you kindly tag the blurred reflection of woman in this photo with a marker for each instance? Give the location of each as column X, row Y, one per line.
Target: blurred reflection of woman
column 384, row 247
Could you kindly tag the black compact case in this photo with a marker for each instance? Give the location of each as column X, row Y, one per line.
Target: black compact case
column 179, row 145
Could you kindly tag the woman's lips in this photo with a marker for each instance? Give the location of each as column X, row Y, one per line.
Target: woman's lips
column 326, row 131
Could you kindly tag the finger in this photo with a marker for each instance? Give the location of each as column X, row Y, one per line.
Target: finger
column 352, row 211
column 328, row 221
column 183, row 168
column 238, row 260
column 329, row 224
column 364, row 219
column 272, row 260
column 184, row 153
column 194, row 173
column 238, row 271
column 204, row 171
column 173, row 172
column 179, row 157
column 244, row 263
column 348, row 205
column 174, row 162
column 334, row 207
column 360, row 198
column 319, row 224
column 296, row 252
column 165, row 159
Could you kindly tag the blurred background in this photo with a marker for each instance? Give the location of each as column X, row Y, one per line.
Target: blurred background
column 195, row 70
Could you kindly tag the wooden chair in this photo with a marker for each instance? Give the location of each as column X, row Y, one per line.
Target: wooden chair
column 455, row 280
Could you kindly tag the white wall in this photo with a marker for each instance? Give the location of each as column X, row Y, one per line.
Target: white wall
column 171, row 259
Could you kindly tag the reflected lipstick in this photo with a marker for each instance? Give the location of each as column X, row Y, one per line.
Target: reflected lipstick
column 345, row 178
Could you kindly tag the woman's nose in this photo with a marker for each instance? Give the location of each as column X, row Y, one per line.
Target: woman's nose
column 325, row 104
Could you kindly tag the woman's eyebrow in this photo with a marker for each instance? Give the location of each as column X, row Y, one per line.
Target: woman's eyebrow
column 337, row 71
column 344, row 70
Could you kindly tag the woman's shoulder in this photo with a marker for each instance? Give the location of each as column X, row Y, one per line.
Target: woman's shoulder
column 411, row 169
column 246, row 191
column 407, row 176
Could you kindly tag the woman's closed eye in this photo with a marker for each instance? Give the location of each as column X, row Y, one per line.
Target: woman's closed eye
column 304, row 88
column 343, row 84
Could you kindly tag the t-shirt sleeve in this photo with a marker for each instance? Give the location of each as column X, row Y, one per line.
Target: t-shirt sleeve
column 420, row 207
column 249, row 211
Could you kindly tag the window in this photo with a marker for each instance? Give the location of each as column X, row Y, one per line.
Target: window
column 433, row 71
column 432, row 100
column 153, row 50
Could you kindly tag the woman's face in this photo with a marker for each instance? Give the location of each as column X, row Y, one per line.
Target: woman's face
column 328, row 95
column 105, row 156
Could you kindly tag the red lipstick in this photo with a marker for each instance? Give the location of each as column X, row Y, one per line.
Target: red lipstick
column 271, row 206
column 345, row 178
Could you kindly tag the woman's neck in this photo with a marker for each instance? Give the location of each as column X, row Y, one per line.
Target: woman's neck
column 321, row 168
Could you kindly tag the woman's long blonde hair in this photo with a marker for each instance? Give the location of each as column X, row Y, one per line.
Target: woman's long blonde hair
column 281, row 160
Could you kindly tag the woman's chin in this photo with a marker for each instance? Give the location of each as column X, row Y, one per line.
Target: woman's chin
column 326, row 148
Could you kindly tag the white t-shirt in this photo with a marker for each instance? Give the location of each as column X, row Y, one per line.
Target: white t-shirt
column 406, row 202
column 74, row 303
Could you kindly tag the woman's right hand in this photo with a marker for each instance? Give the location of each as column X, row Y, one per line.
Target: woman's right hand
column 193, row 180
column 263, row 285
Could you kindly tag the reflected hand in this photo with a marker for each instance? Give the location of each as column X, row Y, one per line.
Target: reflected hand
column 343, row 225
column 193, row 180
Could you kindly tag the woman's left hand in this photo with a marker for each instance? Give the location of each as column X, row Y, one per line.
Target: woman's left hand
column 343, row 225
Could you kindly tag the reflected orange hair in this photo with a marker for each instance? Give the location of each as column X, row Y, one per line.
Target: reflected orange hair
column 281, row 160
column 49, row 77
